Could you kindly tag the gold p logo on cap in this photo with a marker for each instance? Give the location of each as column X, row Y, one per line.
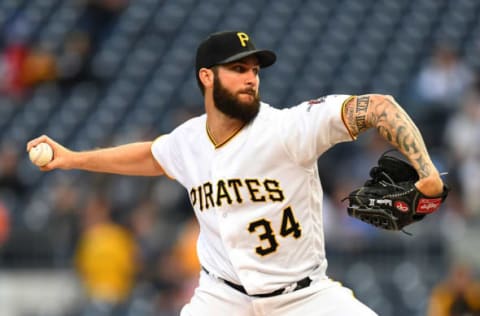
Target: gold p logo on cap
column 243, row 38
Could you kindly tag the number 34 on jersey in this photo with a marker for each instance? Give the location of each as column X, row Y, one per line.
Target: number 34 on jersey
column 237, row 190
column 289, row 226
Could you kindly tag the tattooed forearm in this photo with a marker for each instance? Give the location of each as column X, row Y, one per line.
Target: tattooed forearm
column 394, row 124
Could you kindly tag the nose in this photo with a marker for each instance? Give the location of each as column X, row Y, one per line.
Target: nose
column 251, row 77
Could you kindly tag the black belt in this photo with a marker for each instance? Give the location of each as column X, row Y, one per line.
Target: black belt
column 305, row 282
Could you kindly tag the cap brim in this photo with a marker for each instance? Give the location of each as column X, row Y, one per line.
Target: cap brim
column 265, row 57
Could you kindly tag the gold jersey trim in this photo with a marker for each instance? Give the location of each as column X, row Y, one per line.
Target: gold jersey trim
column 342, row 113
column 218, row 145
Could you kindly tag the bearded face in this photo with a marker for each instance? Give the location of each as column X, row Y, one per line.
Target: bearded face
column 230, row 103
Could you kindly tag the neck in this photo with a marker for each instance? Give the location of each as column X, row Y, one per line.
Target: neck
column 221, row 127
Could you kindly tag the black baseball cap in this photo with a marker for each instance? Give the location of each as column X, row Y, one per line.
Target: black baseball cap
column 225, row 47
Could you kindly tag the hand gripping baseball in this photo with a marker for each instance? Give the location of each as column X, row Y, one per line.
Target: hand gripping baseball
column 60, row 155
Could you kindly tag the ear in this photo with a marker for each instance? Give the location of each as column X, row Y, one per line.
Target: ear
column 206, row 77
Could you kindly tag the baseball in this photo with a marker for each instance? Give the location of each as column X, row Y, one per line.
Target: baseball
column 41, row 154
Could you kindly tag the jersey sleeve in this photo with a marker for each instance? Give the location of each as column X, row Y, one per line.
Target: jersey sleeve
column 164, row 151
column 312, row 127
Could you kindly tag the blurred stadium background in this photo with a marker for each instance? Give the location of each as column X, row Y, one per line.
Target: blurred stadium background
column 95, row 73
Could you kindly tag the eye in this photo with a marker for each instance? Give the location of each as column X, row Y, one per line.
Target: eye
column 239, row 68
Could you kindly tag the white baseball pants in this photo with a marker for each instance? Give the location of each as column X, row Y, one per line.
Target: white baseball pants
column 321, row 298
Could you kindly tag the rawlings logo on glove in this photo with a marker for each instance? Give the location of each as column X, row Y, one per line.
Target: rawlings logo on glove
column 428, row 205
column 389, row 199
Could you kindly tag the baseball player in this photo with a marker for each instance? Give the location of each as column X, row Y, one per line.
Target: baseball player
column 251, row 173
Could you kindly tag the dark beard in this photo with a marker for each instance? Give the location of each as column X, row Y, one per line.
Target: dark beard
column 229, row 105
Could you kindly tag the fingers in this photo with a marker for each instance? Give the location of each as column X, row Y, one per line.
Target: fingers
column 42, row 139
column 47, row 167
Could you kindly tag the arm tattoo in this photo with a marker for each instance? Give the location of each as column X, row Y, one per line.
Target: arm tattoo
column 361, row 113
column 355, row 114
column 394, row 124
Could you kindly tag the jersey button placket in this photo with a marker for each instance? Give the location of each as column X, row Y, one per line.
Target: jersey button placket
column 216, row 163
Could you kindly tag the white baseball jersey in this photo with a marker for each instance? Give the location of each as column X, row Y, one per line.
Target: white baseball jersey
column 258, row 197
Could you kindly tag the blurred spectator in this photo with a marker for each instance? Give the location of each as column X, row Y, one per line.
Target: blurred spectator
column 185, row 249
column 63, row 227
column 21, row 65
column 11, row 64
column 105, row 260
column 4, row 224
column 12, row 189
column 444, row 80
column 188, row 265
column 457, row 295
column 177, row 270
column 22, row 68
column 15, row 51
column 439, row 89
column 39, row 65
column 144, row 224
column 73, row 62
column 99, row 18
column 167, row 246
column 462, row 138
